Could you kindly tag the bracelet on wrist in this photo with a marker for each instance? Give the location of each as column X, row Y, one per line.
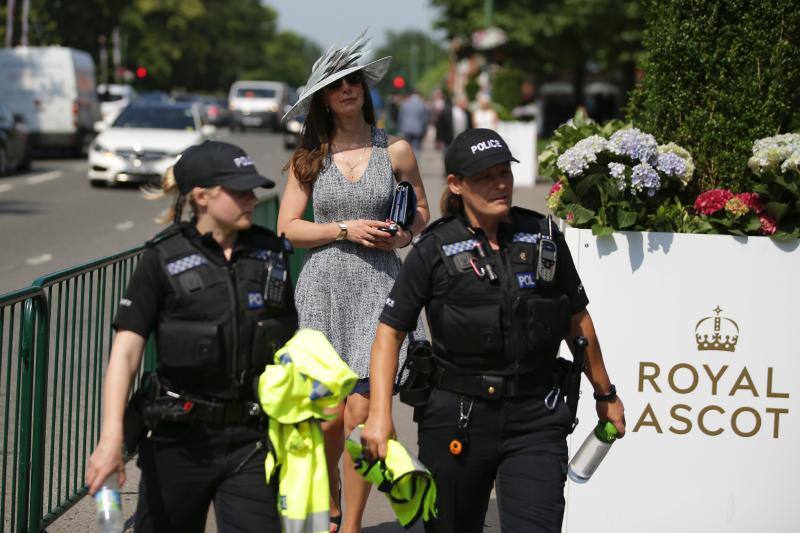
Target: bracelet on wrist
column 607, row 397
column 411, row 238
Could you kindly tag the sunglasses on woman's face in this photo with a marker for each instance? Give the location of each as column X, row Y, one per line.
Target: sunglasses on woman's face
column 354, row 78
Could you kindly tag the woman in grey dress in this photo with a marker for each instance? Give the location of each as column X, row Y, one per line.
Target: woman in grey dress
column 348, row 168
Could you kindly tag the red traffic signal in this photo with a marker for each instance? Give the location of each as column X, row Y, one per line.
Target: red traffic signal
column 141, row 72
column 398, row 82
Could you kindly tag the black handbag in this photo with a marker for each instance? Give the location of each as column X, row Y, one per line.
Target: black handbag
column 404, row 205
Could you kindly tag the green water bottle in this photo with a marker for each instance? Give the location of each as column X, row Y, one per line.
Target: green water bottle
column 592, row 452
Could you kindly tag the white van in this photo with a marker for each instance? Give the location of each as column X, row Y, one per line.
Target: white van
column 257, row 104
column 53, row 88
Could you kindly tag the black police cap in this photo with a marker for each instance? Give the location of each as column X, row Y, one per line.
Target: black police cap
column 475, row 150
column 213, row 163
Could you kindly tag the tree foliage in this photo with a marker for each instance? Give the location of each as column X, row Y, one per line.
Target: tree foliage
column 548, row 36
column 718, row 76
column 414, row 53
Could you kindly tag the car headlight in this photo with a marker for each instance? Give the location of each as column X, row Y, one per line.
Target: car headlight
column 100, row 149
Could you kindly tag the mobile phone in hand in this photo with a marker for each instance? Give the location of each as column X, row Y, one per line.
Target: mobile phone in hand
column 391, row 228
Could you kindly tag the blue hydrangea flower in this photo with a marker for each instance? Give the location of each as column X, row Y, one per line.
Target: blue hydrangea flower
column 671, row 164
column 617, row 171
column 578, row 158
column 634, row 144
column 645, row 178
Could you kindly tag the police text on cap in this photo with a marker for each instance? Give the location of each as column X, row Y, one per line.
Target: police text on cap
column 485, row 145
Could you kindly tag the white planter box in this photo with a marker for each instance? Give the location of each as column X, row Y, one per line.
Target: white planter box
column 702, row 453
column 521, row 139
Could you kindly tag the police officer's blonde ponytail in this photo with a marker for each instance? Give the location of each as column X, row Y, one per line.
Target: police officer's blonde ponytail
column 169, row 187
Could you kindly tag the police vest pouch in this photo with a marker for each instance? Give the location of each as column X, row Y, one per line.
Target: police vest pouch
column 421, row 365
column 269, row 335
column 548, row 322
column 189, row 344
column 472, row 330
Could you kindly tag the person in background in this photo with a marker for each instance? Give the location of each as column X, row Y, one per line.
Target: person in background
column 200, row 287
column 413, row 120
column 348, row 168
column 484, row 116
column 497, row 314
column 461, row 116
column 444, row 123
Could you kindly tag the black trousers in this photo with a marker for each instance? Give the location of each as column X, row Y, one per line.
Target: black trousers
column 519, row 445
column 186, row 467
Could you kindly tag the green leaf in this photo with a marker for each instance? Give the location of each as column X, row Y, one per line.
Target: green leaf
column 585, row 184
column 783, row 236
column 777, row 210
column 753, row 224
column 625, row 219
column 598, row 230
column 581, row 214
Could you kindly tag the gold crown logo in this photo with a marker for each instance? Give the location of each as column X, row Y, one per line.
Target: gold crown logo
column 723, row 337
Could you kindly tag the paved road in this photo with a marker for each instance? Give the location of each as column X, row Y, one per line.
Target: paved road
column 53, row 219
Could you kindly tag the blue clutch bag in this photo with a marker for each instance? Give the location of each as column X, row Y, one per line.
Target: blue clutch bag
column 404, row 205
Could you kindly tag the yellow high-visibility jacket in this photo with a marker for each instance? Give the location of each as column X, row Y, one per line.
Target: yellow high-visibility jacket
column 407, row 483
column 308, row 377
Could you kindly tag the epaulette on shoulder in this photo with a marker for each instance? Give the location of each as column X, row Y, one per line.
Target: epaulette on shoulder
column 166, row 233
column 437, row 223
column 428, row 231
column 260, row 233
column 528, row 212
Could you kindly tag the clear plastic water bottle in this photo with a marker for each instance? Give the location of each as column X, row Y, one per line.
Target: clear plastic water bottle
column 109, row 506
column 592, row 452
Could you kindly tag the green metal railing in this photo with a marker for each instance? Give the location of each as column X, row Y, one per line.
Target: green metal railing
column 16, row 381
column 71, row 358
column 54, row 342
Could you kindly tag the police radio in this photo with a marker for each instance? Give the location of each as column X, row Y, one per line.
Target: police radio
column 275, row 287
column 546, row 257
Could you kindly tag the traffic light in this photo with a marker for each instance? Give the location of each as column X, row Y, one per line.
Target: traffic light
column 141, row 72
column 398, row 82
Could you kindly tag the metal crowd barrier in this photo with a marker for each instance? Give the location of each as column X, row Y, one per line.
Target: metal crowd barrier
column 55, row 338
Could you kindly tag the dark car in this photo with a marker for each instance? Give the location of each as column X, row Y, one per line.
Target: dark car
column 15, row 150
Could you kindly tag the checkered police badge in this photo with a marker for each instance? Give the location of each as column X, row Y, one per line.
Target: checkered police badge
column 186, row 263
column 261, row 255
column 458, row 247
column 526, row 237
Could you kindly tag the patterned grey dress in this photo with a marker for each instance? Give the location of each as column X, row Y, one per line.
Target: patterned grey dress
column 343, row 286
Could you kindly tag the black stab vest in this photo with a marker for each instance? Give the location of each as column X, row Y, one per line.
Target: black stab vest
column 219, row 331
column 511, row 326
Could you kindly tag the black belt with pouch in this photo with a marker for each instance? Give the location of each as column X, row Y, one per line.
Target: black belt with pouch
column 493, row 387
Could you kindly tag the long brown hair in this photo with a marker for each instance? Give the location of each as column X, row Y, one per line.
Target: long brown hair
column 308, row 158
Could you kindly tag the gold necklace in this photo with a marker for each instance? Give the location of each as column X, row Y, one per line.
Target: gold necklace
column 354, row 165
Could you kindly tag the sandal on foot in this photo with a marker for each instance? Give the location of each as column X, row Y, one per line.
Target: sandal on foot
column 335, row 523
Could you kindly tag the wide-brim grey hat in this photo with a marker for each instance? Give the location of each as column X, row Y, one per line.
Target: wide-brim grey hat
column 335, row 64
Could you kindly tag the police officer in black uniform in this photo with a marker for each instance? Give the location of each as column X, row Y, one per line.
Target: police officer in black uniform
column 501, row 292
column 215, row 292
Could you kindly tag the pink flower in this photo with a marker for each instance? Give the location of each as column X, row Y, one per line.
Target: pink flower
column 736, row 207
column 570, row 217
column 768, row 224
column 554, row 197
column 753, row 201
column 710, row 202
